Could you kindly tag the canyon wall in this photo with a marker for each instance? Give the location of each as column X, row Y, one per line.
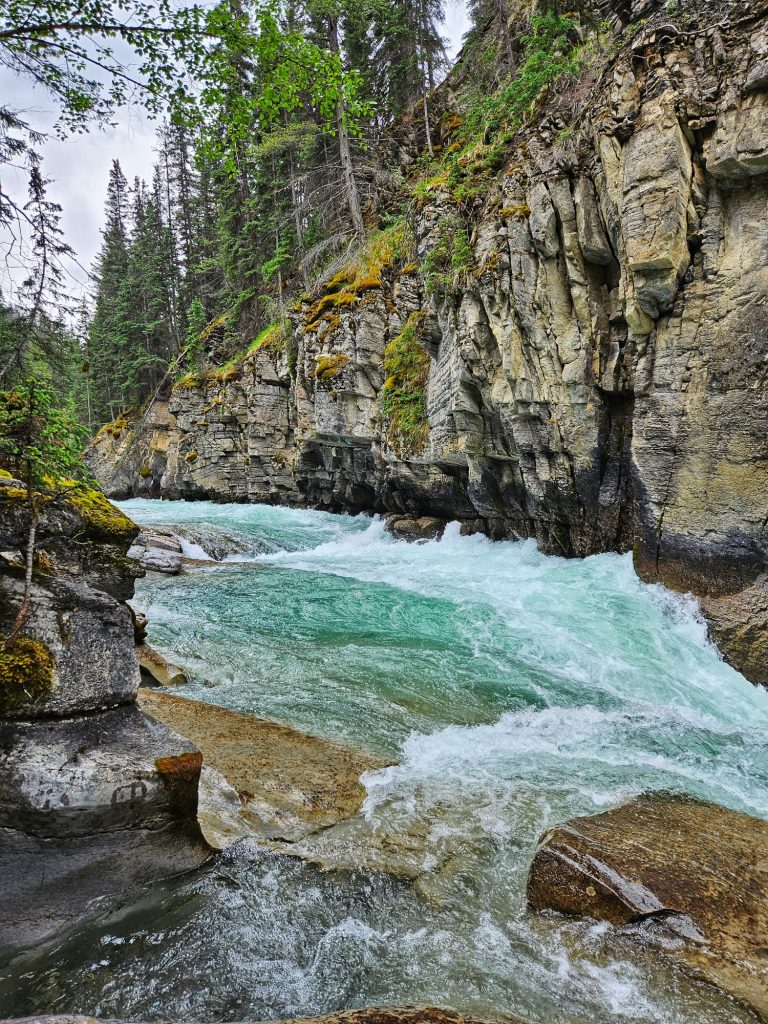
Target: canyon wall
column 96, row 798
column 594, row 373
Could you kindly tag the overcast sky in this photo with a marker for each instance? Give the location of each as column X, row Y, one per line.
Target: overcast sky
column 79, row 166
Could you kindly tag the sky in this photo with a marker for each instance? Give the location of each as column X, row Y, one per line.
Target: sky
column 78, row 167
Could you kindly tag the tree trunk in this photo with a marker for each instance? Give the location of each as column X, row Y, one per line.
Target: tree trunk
column 345, row 153
column 21, row 618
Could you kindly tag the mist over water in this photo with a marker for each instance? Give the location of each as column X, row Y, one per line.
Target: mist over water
column 513, row 689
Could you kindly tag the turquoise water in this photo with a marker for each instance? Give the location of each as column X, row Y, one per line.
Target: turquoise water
column 513, row 689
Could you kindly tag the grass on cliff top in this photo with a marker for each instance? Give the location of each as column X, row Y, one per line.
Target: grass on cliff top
column 382, row 250
column 403, row 397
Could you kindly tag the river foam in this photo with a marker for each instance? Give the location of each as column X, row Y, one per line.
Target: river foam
column 513, row 689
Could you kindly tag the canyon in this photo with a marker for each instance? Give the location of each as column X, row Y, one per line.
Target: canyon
column 594, row 376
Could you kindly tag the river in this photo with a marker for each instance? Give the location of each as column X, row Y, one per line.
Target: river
column 513, row 689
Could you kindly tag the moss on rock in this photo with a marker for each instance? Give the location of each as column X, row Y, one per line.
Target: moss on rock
column 100, row 515
column 403, row 397
column 330, row 366
column 26, row 674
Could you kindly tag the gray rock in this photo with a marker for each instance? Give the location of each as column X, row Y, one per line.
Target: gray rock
column 95, row 774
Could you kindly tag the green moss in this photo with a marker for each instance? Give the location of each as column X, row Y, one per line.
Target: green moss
column 144, row 472
column 100, row 514
column 273, row 337
column 26, row 674
column 517, row 211
column 5, row 475
column 334, row 300
column 328, row 367
column 403, row 397
column 382, row 250
column 451, row 258
column 188, row 382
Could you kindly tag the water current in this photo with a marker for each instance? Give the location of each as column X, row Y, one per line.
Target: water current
column 512, row 689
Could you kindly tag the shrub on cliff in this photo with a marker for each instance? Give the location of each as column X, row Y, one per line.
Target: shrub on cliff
column 42, row 445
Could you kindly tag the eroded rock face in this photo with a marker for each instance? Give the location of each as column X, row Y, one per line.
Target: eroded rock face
column 596, row 381
column 95, row 796
column 682, row 867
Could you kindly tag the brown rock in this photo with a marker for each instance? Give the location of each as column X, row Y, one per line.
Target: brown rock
column 157, row 669
column 290, row 784
column 739, row 626
column 696, row 868
column 415, row 527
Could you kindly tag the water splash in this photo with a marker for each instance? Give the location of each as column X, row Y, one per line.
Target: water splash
column 514, row 689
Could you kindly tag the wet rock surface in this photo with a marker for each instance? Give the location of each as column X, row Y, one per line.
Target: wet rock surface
column 289, row 784
column 415, row 528
column 156, row 670
column 96, row 798
column 157, row 551
column 692, row 874
column 366, row 1015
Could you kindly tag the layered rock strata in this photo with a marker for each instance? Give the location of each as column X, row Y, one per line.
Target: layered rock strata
column 672, row 868
column 595, row 374
column 95, row 797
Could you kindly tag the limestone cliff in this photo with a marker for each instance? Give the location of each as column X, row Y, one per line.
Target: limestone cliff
column 590, row 372
column 95, row 796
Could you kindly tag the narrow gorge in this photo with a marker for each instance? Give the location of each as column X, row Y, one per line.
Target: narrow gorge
column 592, row 376
column 384, row 536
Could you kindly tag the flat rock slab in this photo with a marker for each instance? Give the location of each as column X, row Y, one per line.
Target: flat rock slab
column 290, row 784
column 366, row 1015
column 696, row 868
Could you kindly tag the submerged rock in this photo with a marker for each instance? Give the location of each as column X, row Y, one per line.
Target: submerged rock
column 691, row 873
column 290, row 784
column 157, row 670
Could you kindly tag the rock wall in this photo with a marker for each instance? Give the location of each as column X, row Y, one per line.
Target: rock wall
column 597, row 372
column 96, row 798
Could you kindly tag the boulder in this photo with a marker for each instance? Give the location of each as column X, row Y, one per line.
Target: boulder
column 670, row 864
column 415, row 527
column 157, row 670
column 158, row 550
